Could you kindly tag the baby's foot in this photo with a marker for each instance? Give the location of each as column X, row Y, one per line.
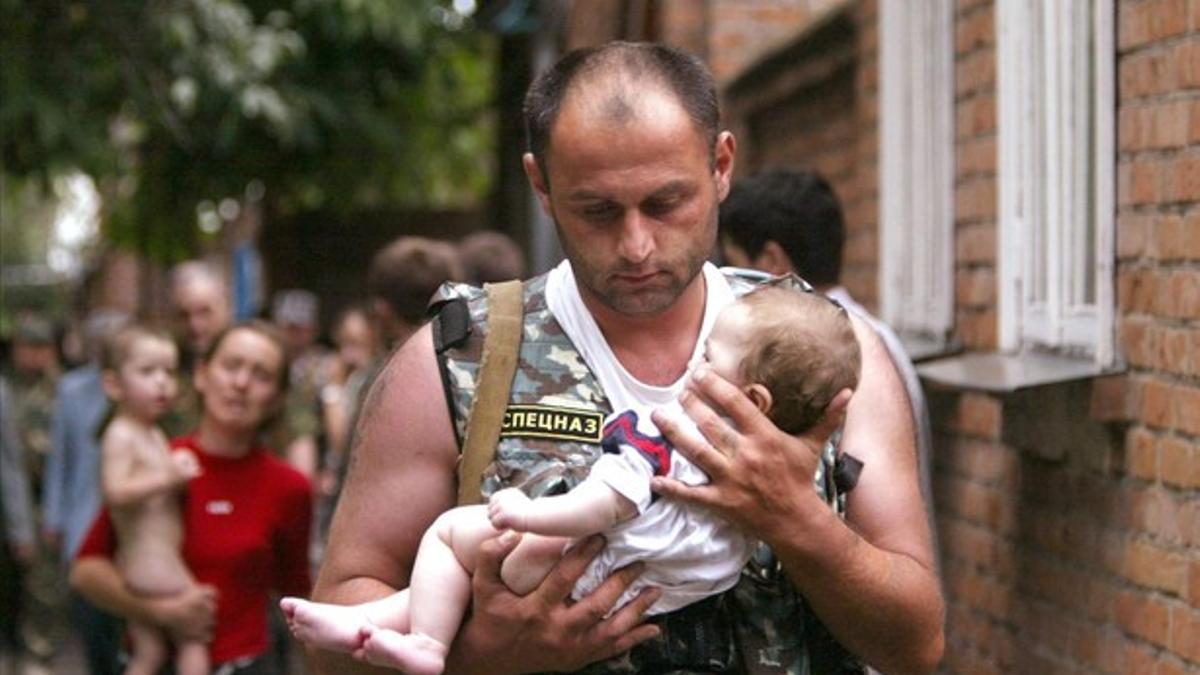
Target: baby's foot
column 412, row 653
column 333, row 627
column 509, row 509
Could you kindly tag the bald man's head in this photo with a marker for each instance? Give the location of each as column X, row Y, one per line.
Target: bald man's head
column 201, row 305
column 612, row 83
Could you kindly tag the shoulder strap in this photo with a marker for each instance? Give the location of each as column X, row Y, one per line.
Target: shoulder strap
column 505, row 324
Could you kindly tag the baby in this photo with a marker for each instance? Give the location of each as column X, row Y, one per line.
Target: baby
column 790, row 353
column 140, row 480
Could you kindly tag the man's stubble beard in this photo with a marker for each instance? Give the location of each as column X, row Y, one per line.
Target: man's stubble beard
column 639, row 305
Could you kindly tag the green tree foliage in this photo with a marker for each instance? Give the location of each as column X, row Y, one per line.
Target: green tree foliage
column 332, row 104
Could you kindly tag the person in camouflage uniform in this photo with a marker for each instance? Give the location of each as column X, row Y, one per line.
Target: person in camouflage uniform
column 34, row 379
column 627, row 157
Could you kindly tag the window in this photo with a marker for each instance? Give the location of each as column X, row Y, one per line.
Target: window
column 917, row 171
column 1056, row 108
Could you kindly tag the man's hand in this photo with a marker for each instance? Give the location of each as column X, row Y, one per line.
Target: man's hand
column 756, row 472
column 189, row 615
column 545, row 630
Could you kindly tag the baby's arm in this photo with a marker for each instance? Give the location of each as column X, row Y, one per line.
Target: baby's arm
column 124, row 482
column 591, row 507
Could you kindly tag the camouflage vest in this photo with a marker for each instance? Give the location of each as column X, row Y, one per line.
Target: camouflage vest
column 551, row 436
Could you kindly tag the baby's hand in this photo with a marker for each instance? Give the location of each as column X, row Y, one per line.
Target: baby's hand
column 509, row 509
column 184, row 465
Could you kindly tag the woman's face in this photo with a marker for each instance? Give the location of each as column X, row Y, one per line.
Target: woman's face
column 356, row 340
column 239, row 385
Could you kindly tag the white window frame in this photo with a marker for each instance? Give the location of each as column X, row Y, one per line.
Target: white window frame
column 1056, row 100
column 916, row 205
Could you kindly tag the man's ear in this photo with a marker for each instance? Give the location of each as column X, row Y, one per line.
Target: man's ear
column 761, row 396
column 541, row 187
column 773, row 259
column 723, row 156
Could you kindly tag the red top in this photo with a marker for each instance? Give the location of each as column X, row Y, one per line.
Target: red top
column 246, row 530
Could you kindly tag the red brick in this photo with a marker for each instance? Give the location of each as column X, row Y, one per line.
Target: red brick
column 1181, row 179
column 1170, row 124
column 1187, row 56
column 1141, row 454
column 1145, row 179
column 1132, row 234
column 1169, row 665
column 1140, row 659
column 1144, row 616
column 975, row 243
column 1156, row 404
column 1109, row 400
column 1146, row 292
column 1183, row 295
column 1131, row 129
column 1176, row 350
column 1170, row 240
column 1133, row 27
column 1189, row 241
column 1154, row 567
column 1187, row 408
column 1185, row 638
column 979, row 416
column 1155, row 512
column 976, row 200
column 1188, row 522
column 1180, row 462
column 1140, row 339
column 1193, row 594
column 975, row 287
column 1194, row 122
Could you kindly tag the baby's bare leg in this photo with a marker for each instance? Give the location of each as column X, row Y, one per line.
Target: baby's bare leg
column 529, row 563
column 441, row 591
column 191, row 658
column 148, row 650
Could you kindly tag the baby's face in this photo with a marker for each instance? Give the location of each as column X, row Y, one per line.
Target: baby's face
column 726, row 344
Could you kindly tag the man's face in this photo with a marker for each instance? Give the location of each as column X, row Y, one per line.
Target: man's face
column 201, row 311
column 635, row 201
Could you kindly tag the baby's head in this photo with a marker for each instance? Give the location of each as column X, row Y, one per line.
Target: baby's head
column 139, row 365
column 790, row 352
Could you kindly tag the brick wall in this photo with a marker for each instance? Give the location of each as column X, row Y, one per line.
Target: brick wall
column 1068, row 516
column 812, row 102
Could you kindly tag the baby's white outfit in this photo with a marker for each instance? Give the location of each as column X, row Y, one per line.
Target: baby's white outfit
column 689, row 552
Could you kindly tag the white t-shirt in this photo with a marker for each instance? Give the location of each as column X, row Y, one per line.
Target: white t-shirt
column 689, row 552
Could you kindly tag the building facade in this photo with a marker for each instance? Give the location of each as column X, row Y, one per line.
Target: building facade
column 1021, row 182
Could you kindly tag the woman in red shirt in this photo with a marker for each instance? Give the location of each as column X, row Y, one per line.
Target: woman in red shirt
column 246, row 516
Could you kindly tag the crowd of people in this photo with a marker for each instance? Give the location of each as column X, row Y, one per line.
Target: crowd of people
column 635, row 355
column 76, row 479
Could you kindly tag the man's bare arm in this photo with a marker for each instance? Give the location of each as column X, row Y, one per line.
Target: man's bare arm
column 402, row 476
column 871, row 579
